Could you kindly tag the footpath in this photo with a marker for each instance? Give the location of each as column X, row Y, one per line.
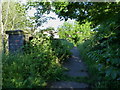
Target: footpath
column 76, row 68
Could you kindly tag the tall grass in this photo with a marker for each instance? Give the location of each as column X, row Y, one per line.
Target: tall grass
column 37, row 66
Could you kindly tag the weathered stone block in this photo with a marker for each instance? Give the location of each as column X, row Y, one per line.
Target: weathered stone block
column 15, row 40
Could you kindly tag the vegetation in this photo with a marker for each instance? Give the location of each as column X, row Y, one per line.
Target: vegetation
column 14, row 15
column 96, row 32
column 101, row 50
column 40, row 63
column 75, row 33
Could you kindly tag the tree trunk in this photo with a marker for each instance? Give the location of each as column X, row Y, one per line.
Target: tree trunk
column 2, row 30
column 1, row 43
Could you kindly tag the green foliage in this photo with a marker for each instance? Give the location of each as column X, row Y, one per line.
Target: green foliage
column 93, row 12
column 42, row 8
column 13, row 15
column 39, row 64
column 103, row 52
column 61, row 48
column 75, row 32
column 99, row 47
column 87, row 11
column 29, row 71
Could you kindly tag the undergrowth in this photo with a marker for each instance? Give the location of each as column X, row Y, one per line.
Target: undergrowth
column 39, row 64
column 102, row 55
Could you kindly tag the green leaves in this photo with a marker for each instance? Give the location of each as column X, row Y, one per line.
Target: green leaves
column 112, row 72
column 14, row 15
column 39, row 64
column 103, row 47
column 74, row 32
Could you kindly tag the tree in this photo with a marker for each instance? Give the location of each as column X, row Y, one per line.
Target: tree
column 14, row 15
column 80, row 11
column 74, row 32
column 2, row 30
column 87, row 11
column 1, row 43
column 42, row 8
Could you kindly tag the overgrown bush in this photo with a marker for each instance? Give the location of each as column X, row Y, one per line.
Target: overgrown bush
column 26, row 71
column 37, row 66
column 61, row 48
column 102, row 53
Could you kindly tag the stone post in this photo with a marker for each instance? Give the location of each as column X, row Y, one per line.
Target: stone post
column 15, row 40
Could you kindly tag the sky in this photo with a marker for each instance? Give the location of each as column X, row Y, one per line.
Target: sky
column 50, row 23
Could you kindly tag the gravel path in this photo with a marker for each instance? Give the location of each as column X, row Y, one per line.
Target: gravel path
column 76, row 68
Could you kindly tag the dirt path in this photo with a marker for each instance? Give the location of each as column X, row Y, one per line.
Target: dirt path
column 76, row 68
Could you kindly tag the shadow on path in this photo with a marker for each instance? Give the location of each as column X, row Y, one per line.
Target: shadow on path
column 76, row 68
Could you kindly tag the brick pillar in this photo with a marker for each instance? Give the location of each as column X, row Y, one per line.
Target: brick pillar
column 15, row 40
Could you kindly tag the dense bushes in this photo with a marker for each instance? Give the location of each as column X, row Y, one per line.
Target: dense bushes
column 102, row 53
column 38, row 65
column 100, row 49
column 61, row 48
column 22, row 71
